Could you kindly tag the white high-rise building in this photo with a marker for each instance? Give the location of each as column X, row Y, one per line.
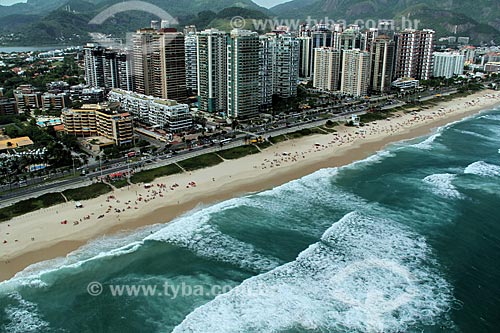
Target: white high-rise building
column 243, row 94
column 447, row 64
column 266, row 52
column 355, row 72
column 285, row 65
column 326, row 69
column 212, row 70
column 93, row 65
column 278, row 66
column 190, row 44
column 107, row 68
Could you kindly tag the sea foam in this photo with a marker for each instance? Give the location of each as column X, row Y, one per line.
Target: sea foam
column 477, row 135
column 23, row 317
column 364, row 275
column 195, row 232
column 442, row 185
column 482, row 168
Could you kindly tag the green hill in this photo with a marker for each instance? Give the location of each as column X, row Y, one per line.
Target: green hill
column 69, row 23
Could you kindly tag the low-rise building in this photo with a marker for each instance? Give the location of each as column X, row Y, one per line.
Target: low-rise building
column 492, row 67
column 55, row 101
column 108, row 121
column 57, row 87
column 115, row 125
column 8, row 107
column 166, row 114
column 406, row 83
column 82, row 121
column 28, row 98
column 170, row 115
column 15, row 143
column 87, row 95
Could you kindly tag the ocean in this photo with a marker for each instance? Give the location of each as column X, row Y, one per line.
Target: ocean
column 407, row 240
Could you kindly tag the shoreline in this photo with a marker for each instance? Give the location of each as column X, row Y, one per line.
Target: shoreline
column 233, row 178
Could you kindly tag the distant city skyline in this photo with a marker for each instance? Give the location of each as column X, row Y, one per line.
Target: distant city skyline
column 263, row 3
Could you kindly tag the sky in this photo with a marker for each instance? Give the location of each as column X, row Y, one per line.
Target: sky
column 267, row 3
column 10, row 2
column 263, row 3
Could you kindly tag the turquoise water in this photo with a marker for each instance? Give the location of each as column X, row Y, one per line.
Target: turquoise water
column 407, row 240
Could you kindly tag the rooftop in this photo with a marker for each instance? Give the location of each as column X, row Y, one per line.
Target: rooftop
column 15, row 143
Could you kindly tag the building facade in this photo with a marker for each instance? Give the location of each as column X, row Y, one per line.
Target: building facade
column 382, row 50
column 212, row 71
column 266, row 55
column 414, row 54
column 145, row 42
column 55, row 102
column 166, row 114
column 159, row 64
column 97, row 120
column 243, row 98
column 448, row 64
column 8, row 107
column 285, row 65
column 28, row 98
column 327, row 69
column 190, row 45
column 107, row 68
column 171, row 116
column 355, row 76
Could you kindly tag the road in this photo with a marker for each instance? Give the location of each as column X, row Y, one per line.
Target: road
column 159, row 161
column 288, row 124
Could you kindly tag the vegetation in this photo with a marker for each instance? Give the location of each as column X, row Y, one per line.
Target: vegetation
column 120, row 183
column 87, row 192
column 30, row 205
column 328, row 129
column 304, row 132
column 264, row 145
column 299, row 134
column 150, row 175
column 200, row 162
column 40, row 73
column 54, row 24
column 238, row 152
column 331, row 124
column 277, row 139
column 375, row 116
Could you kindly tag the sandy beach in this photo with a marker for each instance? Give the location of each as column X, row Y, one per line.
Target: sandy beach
column 40, row 235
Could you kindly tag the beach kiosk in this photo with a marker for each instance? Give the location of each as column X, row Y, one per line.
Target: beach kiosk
column 355, row 120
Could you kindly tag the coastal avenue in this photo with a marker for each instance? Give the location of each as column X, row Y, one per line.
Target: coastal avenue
column 31, row 192
column 290, row 123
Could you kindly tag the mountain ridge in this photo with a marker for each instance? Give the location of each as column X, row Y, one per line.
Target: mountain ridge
column 69, row 23
column 479, row 19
